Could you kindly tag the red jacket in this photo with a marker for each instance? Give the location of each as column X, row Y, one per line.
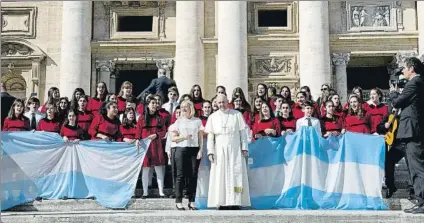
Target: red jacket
column 155, row 153
column 334, row 124
column 106, row 126
column 354, row 123
column 376, row 114
column 94, row 105
column 72, row 132
column 12, row 125
column 49, row 125
column 127, row 132
column 259, row 127
column 288, row 123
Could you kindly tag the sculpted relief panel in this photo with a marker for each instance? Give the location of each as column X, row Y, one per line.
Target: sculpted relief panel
column 378, row 16
column 274, row 66
column 18, row 21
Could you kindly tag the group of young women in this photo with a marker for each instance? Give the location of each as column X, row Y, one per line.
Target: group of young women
column 121, row 118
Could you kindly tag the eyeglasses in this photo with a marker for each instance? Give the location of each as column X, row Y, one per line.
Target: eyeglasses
column 324, row 89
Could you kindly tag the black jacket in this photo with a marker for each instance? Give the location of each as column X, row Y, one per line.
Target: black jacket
column 6, row 102
column 411, row 103
column 159, row 86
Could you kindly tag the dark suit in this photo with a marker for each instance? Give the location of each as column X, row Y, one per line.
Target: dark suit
column 411, row 129
column 159, row 86
column 6, row 102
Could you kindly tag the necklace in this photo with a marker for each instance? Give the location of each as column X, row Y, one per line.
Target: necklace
column 224, row 125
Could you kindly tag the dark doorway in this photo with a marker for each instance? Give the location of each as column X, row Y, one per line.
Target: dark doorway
column 368, row 77
column 139, row 78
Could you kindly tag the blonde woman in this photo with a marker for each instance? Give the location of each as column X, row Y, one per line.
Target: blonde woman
column 187, row 133
column 124, row 94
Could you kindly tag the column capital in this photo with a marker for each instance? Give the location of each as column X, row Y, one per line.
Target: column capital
column 105, row 65
column 340, row 59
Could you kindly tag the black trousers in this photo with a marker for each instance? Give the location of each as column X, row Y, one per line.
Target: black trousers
column 415, row 157
column 186, row 167
column 393, row 156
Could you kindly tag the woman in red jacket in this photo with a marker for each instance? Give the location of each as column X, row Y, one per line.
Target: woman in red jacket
column 51, row 122
column 164, row 114
column 237, row 105
column 70, row 131
column 257, row 102
column 128, row 128
column 285, row 92
column 63, row 109
column 288, row 122
column 206, row 111
column 356, row 120
column 124, row 93
column 268, row 124
column 151, row 125
column 338, row 109
column 106, row 125
column 297, row 107
column 95, row 103
column 85, row 117
column 375, row 109
column 358, row 92
column 197, row 97
column 331, row 124
column 16, row 121
column 53, row 96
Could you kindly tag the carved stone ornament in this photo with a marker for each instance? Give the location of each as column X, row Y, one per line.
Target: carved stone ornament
column 105, row 65
column 19, row 21
column 274, row 66
column 10, row 49
column 13, row 82
column 162, row 9
column 378, row 16
column 340, row 59
column 141, row 4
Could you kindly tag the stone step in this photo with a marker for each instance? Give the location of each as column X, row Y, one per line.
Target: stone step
column 397, row 202
column 207, row 216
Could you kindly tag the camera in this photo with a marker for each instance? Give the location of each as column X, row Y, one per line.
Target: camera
column 400, row 83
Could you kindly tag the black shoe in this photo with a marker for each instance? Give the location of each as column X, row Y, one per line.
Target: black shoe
column 192, row 208
column 65, row 198
column 143, row 197
column 38, row 199
column 411, row 210
column 222, row 208
column 419, row 210
column 236, row 208
column 172, row 196
column 180, row 209
column 390, row 191
column 162, row 197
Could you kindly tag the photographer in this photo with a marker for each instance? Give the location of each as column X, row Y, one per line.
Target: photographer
column 411, row 125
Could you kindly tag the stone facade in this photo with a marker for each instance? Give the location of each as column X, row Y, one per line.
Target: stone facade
column 42, row 43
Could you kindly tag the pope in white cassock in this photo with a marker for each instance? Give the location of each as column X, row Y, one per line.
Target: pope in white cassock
column 227, row 149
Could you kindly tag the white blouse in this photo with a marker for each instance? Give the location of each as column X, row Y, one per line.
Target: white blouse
column 184, row 126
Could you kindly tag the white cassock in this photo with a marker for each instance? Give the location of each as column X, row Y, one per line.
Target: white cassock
column 228, row 183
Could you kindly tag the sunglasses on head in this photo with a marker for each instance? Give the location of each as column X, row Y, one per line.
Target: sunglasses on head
column 324, row 89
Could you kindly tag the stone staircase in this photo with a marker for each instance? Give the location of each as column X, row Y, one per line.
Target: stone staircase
column 163, row 210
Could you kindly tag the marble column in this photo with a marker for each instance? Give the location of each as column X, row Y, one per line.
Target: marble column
column 35, row 76
column 104, row 71
column 420, row 20
column 314, row 45
column 189, row 53
column 232, row 45
column 75, row 62
column 340, row 61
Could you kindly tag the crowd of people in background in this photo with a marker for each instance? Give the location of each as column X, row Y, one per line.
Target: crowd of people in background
column 123, row 118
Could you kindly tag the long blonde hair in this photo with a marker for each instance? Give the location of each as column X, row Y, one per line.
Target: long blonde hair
column 190, row 105
column 124, row 85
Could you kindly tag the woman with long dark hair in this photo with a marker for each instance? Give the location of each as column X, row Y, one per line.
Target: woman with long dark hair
column 63, row 108
column 151, row 125
column 257, row 102
column 376, row 109
column 16, row 121
column 360, row 95
column 187, row 132
column 288, row 122
column 85, row 117
column 53, row 96
column 95, row 103
column 78, row 92
column 285, row 92
column 262, row 91
column 331, row 124
column 338, row 108
column 237, row 104
column 105, row 126
column 197, row 97
column 70, row 131
column 238, row 93
column 297, row 107
column 268, row 125
column 128, row 127
column 325, row 93
column 356, row 119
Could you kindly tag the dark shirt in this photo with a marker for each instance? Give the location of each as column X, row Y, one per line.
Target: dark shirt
column 6, row 102
column 159, row 86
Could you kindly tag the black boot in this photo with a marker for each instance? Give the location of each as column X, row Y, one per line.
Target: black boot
column 390, row 191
